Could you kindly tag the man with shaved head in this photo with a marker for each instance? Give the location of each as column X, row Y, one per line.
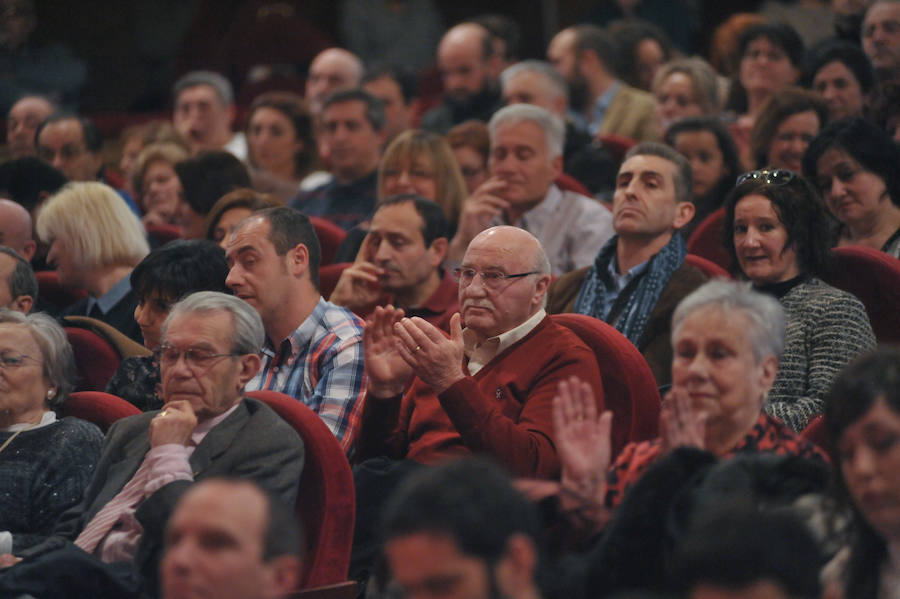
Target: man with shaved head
column 469, row 70
column 331, row 70
column 15, row 228
column 22, row 122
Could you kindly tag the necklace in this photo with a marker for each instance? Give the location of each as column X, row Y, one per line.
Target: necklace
column 14, row 435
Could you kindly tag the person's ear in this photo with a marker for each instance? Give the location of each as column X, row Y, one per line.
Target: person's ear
column 557, row 165
column 768, row 369
column 684, row 213
column 249, row 366
column 298, row 259
column 23, row 304
column 515, row 570
column 283, row 576
column 437, row 251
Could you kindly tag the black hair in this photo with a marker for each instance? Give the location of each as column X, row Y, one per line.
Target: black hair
column 180, row 268
column 781, row 34
column 802, row 213
column 866, row 379
column 470, row 500
column 404, row 79
column 850, row 55
column 627, row 35
column 863, row 141
column 504, row 28
column 724, row 140
column 21, row 280
column 93, row 141
column 289, row 228
column 208, row 176
column 26, row 180
column 434, row 223
column 735, row 546
column 374, row 107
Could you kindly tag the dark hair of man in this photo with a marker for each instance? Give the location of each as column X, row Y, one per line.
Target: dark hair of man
column 627, row 34
column 402, row 77
column 180, row 268
column 781, row 34
column 736, row 546
column 504, row 28
column 683, row 179
column 22, row 280
column 799, row 209
column 868, row 378
column 724, row 141
column 374, row 107
column 93, row 141
column 591, row 37
column 865, row 143
column 290, row 227
column 29, row 180
column 434, row 223
column 849, row 55
column 208, row 176
column 472, row 501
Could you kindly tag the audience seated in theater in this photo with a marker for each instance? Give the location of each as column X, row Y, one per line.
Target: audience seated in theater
column 685, row 87
column 135, row 138
column 862, row 415
column 48, row 462
column 465, row 522
column 487, row 390
column 842, row 75
column 715, row 404
column 526, row 156
column 204, row 111
column 469, row 69
column 332, row 70
column 788, row 121
column 160, row 280
column 16, row 228
column 471, row 144
column 262, row 553
column 313, row 349
column 210, row 345
column 854, row 164
column 157, row 189
column 281, row 143
column 95, row 242
column 536, row 82
column 232, row 208
column 351, row 131
column 780, row 242
column 640, row 275
column 880, row 39
column 641, row 49
column 715, row 165
column 204, row 179
column 18, row 285
column 400, row 264
column 600, row 102
column 395, row 87
column 22, row 122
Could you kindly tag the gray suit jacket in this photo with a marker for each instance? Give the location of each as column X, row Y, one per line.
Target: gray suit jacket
column 252, row 443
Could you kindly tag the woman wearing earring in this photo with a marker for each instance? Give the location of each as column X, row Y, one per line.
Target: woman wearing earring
column 45, row 462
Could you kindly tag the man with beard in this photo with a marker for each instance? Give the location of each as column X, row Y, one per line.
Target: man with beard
column 881, row 38
column 599, row 101
column 469, row 70
column 400, row 264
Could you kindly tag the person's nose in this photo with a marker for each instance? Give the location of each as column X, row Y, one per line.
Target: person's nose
column 235, row 278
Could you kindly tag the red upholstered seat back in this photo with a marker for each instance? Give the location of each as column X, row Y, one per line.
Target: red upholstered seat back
column 706, row 240
column 326, row 501
column 628, row 384
column 330, row 237
column 816, row 433
column 95, row 358
column 51, row 292
column 707, row 267
column 98, row 407
column 329, row 275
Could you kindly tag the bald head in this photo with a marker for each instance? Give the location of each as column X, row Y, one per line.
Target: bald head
column 21, row 123
column 466, row 61
column 514, row 242
column 332, row 70
column 15, row 228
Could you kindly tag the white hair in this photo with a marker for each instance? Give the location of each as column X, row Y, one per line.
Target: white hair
column 553, row 127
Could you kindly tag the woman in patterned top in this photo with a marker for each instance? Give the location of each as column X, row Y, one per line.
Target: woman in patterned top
column 726, row 340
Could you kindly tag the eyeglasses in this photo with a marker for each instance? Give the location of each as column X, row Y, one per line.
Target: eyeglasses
column 196, row 358
column 12, row 361
column 778, row 176
column 492, row 279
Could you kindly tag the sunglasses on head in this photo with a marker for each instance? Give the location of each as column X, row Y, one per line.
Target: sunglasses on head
column 778, row 176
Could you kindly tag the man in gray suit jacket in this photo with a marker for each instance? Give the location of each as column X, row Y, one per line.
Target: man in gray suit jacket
column 206, row 429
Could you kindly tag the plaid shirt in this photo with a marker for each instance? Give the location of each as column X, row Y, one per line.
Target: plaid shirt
column 321, row 364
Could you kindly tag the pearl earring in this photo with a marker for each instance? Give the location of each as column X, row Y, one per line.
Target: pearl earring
column 51, row 393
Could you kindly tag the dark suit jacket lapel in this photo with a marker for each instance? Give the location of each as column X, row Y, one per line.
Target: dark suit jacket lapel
column 218, row 439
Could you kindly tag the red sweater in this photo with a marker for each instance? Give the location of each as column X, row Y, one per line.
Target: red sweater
column 504, row 411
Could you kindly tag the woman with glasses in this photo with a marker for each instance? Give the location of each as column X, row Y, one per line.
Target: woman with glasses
column 778, row 238
column 856, row 167
column 45, row 462
column 165, row 276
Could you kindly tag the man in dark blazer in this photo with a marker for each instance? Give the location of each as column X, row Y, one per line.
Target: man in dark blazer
column 206, row 429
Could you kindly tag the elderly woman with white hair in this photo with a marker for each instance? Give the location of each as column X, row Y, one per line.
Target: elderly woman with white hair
column 726, row 341
column 45, row 462
column 95, row 242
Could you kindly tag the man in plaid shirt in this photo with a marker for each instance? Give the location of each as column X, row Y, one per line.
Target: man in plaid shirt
column 313, row 349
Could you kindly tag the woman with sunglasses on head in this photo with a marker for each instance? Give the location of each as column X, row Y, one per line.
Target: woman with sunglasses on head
column 778, row 238
column 856, row 167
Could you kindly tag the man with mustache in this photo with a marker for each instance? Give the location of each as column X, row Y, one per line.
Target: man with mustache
column 313, row 349
column 400, row 264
